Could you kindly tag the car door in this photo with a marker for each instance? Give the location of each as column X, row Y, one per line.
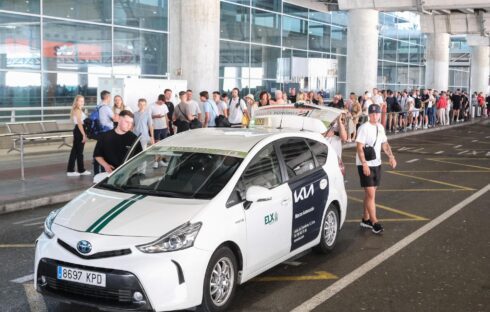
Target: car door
column 268, row 221
column 308, row 183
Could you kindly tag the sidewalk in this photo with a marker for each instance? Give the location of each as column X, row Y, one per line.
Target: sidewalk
column 46, row 182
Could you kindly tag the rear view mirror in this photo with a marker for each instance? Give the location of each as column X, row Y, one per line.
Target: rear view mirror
column 257, row 194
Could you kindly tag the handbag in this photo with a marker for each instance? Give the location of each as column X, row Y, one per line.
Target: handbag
column 369, row 152
column 221, row 121
column 194, row 123
column 245, row 118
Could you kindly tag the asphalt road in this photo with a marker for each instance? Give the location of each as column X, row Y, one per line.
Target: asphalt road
column 445, row 269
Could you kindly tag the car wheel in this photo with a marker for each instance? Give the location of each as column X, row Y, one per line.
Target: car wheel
column 330, row 230
column 220, row 281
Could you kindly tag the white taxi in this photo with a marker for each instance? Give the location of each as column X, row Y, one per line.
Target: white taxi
column 228, row 205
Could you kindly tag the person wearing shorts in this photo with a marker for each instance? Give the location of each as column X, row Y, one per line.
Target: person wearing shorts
column 372, row 133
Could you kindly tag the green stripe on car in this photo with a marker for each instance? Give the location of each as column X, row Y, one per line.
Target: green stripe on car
column 113, row 213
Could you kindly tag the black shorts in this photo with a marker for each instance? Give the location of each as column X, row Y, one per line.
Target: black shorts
column 372, row 180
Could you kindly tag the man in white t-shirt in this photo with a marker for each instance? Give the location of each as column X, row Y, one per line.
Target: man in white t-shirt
column 159, row 116
column 377, row 98
column 222, row 106
column 237, row 108
column 195, row 108
column 371, row 134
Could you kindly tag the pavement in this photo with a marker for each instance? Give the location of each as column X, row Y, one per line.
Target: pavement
column 432, row 256
column 46, row 182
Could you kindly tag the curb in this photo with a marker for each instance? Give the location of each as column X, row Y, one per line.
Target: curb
column 39, row 202
column 417, row 132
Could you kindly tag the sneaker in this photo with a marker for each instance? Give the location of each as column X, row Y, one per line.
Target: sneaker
column 377, row 228
column 86, row 173
column 425, row 127
column 155, row 165
column 72, row 174
column 162, row 163
column 366, row 224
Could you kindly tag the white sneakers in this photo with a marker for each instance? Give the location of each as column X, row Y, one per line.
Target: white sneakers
column 77, row 174
column 155, row 165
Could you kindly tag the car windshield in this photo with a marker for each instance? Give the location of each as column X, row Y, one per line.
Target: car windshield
column 181, row 172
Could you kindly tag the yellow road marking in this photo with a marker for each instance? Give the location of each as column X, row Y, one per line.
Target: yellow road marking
column 320, row 275
column 430, row 180
column 415, row 190
column 455, row 163
column 16, row 245
column 35, row 300
column 401, row 212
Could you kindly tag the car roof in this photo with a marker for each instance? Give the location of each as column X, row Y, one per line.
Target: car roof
column 225, row 139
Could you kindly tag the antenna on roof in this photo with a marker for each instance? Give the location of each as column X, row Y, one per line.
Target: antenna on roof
column 282, row 116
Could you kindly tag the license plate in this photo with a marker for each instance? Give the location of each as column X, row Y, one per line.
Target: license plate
column 81, row 276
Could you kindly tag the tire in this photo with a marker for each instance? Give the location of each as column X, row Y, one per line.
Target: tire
column 217, row 298
column 329, row 231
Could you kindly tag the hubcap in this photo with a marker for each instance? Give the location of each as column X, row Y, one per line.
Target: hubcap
column 330, row 228
column 222, row 281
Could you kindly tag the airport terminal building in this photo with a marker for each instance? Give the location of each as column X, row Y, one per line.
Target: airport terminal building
column 52, row 50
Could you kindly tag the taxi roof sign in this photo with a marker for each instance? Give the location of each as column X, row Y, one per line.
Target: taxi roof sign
column 298, row 116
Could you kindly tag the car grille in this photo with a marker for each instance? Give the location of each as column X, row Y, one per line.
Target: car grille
column 99, row 255
column 111, row 295
column 120, row 287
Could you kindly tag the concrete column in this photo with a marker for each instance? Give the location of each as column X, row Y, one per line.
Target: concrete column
column 194, row 43
column 437, row 66
column 480, row 63
column 362, row 50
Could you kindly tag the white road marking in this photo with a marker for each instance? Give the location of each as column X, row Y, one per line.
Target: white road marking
column 342, row 283
column 418, row 149
column 439, row 152
column 458, row 146
column 23, row 279
column 487, row 154
column 36, row 301
column 404, row 148
column 34, row 223
column 412, row 160
column 463, row 152
column 474, row 141
column 29, row 220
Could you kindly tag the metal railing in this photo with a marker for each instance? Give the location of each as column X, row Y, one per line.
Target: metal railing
column 16, row 113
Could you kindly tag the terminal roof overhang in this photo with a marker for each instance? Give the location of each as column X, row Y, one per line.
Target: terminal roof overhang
column 456, row 17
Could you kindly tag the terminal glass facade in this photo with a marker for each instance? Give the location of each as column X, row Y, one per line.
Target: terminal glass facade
column 52, row 50
column 268, row 45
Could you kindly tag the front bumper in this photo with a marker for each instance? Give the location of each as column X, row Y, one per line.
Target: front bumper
column 168, row 281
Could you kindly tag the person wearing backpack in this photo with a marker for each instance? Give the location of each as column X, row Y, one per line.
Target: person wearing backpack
column 182, row 113
column 237, row 109
column 210, row 110
column 79, row 139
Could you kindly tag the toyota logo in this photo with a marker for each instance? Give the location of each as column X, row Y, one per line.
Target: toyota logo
column 84, row 247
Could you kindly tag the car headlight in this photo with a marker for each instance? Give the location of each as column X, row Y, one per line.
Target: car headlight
column 180, row 238
column 49, row 222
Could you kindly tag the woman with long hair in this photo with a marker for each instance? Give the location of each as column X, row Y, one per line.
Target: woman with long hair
column 264, row 99
column 79, row 139
column 118, row 107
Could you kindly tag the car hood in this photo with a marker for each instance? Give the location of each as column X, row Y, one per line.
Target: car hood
column 113, row 213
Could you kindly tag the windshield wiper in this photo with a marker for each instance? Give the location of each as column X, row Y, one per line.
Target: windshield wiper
column 156, row 192
column 112, row 187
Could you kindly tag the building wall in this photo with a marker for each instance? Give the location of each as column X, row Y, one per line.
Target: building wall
column 52, row 50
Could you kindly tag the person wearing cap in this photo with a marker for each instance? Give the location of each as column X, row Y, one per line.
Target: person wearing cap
column 372, row 133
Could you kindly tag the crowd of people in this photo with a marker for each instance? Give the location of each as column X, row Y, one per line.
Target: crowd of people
column 154, row 121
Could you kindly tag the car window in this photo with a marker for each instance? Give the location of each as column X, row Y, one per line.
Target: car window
column 297, row 157
column 186, row 173
column 263, row 170
column 320, row 151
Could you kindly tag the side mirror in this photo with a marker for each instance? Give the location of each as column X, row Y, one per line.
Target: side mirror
column 257, row 194
column 100, row 176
